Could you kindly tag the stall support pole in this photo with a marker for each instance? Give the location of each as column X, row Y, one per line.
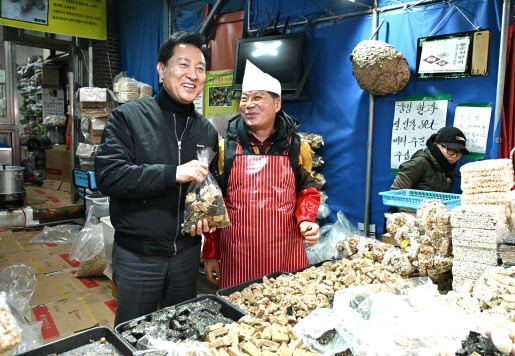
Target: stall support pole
column 501, row 73
column 370, row 141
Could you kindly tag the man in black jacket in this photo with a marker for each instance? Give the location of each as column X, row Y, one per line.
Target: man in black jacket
column 144, row 163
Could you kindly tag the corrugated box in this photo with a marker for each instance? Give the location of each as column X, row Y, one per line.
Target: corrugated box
column 58, row 165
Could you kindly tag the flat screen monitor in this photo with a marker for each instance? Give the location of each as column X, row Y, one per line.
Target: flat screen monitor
column 280, row 56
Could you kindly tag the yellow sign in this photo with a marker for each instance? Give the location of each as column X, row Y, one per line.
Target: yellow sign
column 81, row 18
column 218, row 94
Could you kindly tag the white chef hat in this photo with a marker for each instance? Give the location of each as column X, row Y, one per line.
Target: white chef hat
column 255, row 79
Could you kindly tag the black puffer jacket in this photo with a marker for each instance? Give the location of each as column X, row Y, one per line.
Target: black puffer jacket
column 135, row 166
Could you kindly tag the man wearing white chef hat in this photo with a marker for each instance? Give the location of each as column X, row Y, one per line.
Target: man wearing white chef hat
column 270, row 195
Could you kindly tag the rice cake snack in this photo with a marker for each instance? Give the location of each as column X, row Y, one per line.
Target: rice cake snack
column 495, row 175
column 478, row 255
column 488, row 217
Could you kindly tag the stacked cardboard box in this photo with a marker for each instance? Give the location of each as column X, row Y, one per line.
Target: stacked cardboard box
column 95, row 106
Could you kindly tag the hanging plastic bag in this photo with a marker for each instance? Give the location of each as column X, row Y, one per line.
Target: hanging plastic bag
column 88, row 248
column 204, row 200
column 60, row 234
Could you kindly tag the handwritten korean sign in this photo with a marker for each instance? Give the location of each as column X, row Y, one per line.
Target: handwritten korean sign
column 414, row 122
column 474, row 122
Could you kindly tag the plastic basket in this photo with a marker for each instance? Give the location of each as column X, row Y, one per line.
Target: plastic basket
column 411, row 198
column 239, row 287
column 228, row 310
column 81, row 339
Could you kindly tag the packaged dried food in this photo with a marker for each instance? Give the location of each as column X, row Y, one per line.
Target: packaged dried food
column 204, row 200
column 88, row 248
column 314, row 140
column 319, row 180
column 317, row 159
column 396, row 220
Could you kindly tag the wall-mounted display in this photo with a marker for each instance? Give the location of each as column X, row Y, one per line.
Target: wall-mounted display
column 454, row 55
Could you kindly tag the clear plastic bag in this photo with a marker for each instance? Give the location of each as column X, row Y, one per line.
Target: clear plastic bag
column 60, row 234
column 323, row 211
column 86, row 151
column 405, row 318
column 88, row 248
column 204, row 200
column 318, row 330
column 330, row 235
column 19, row 283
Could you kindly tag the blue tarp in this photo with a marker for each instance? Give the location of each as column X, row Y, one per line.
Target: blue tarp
column 339, row 108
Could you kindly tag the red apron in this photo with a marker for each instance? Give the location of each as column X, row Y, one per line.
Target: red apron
column 262, row 237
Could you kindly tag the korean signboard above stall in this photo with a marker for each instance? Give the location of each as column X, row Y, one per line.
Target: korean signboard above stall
column 81, row 18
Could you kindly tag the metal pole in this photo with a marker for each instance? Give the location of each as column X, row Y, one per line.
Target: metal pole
column 90, row 63
column 329, row 18
column 501, row 73
column 71, row 100
column 370, row 141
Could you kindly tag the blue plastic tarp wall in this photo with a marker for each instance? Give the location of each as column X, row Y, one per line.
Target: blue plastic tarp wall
column 339, row 108
column 140, row 33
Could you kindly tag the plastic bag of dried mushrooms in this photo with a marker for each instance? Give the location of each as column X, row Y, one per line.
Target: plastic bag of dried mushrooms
column 204, row 200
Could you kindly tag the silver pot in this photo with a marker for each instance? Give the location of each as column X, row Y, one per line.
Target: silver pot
column 12, row 179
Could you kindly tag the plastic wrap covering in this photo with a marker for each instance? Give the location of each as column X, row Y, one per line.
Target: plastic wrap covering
column 323, row 211
column 355, row 246
column 204, row 200
column 402, row 318
column 330, row 235
column 314, row 140
column 144, row 90
column 128, row 89
column 88, row 248
column 54, row 120
column 92, row 128
column 60, row 234
column 86, row 151
column 323, row 196
column 319, row 180
column 19, row 283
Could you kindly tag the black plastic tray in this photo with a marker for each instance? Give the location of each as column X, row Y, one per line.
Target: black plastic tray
column 239, row 287
column 81, row 339
column 228, row 310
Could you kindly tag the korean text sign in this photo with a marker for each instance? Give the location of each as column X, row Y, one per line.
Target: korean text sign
column 414, row 122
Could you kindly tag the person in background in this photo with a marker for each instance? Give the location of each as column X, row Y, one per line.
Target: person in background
column 433, row 168
column 144, row 163
column 270, row 195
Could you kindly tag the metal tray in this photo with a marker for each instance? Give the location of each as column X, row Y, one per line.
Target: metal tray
column 81, row 339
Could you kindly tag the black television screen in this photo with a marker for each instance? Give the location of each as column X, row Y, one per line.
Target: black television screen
column 280, row 56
